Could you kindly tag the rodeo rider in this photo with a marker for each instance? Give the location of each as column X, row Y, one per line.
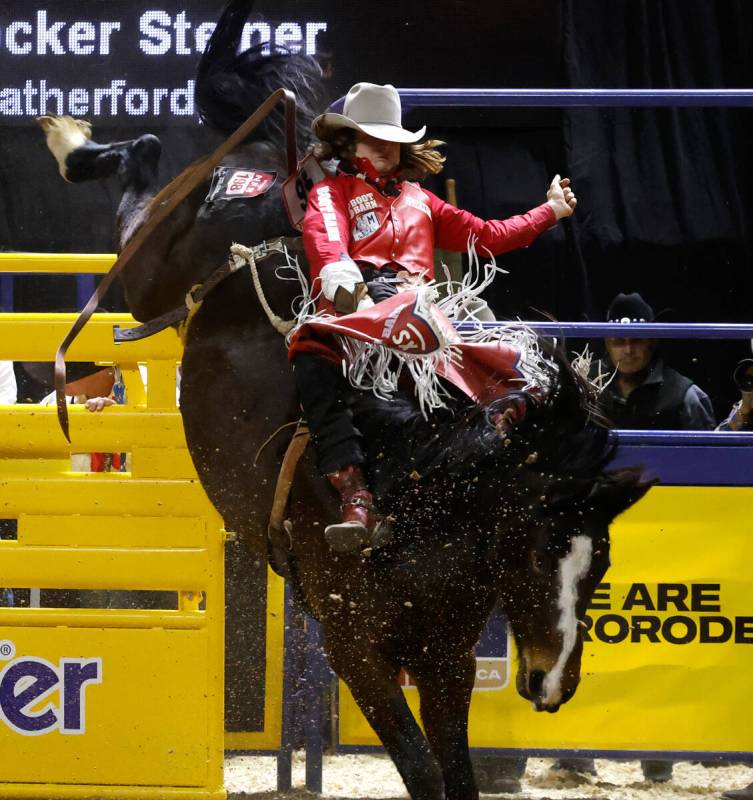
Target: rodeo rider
column 368, row 230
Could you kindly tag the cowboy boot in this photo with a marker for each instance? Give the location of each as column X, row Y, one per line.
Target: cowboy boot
column 508, row 412
column 359, row 520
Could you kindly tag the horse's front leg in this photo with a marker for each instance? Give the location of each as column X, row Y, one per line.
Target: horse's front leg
column 373, row 683
column 445, row 687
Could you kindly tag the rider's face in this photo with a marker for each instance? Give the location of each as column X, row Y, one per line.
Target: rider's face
column 385, row 156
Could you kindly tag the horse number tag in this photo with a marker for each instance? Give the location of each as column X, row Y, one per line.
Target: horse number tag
column 296, row 188
column 228, row 184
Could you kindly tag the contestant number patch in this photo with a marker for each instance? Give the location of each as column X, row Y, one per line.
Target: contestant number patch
column 296, row 188
column 249, row 183
column 239, row 183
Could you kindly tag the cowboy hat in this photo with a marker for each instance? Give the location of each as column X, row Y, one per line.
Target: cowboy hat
column 630, row 308
column 374, row 110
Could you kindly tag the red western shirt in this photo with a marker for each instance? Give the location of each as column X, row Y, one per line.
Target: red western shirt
column 350, row 219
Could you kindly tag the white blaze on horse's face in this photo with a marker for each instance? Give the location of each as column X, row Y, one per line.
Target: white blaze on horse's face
column 572, row 569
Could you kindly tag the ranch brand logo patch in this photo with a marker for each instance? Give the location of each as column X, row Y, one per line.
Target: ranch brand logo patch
column 38, row 697
column 239, row 183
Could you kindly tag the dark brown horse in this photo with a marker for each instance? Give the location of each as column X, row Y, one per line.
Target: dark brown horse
column 479, row 520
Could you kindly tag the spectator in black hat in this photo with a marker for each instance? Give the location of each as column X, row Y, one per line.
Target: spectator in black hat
column 646, row 393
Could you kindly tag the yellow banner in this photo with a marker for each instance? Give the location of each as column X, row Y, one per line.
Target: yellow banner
column 671, row 641
column 109, row 706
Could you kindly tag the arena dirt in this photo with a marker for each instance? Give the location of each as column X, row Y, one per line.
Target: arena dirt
column 375, row 778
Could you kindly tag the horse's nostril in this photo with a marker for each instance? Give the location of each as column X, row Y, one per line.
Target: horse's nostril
column 536, row 682
column 567, row 695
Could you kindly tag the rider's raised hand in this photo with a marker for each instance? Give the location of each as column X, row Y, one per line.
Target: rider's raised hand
column 561, row 197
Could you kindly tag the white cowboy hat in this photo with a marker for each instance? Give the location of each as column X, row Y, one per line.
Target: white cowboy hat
column 373, row 109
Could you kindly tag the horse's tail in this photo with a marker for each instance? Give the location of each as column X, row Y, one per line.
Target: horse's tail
column 231, row 85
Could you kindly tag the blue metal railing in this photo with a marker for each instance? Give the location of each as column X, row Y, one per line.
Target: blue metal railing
column 568, row 98
column 635, row 330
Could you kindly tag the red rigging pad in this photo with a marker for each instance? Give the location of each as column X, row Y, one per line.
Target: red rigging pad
column 231, row 183
column 483, row 370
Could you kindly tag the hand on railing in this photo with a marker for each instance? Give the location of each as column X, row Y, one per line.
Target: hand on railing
column 98, row 403
column 561, row 197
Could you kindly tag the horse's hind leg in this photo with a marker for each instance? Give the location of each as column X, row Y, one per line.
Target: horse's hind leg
column 374, row 686
column 445, row 687
column 80, row 159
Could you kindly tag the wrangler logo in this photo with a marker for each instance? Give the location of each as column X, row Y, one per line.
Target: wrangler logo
column 38, row 697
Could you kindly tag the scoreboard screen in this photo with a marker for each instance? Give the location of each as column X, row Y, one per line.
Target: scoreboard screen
column 121, row 60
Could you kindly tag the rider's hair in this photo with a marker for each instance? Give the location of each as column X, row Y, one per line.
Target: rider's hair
column 416, row 160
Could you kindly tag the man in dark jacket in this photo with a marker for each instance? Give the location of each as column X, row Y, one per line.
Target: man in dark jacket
column 646, row 393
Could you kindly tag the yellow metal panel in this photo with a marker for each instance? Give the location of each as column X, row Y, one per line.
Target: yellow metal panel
column 77, row 530
column 45, row 791
column 102, row 568
column 57, row 263
column 271, row 737
column 23, row 467
column 103, row 493
column 27, row 431
column 161, row 379
column 134, row 384
column 98, row 618
column 144, row 723
column 152, row 462
column 641, row 695
column 35, row 337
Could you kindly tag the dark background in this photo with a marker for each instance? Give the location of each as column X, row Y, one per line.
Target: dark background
column 664, row 195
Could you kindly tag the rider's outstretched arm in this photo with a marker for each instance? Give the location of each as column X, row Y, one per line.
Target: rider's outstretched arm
column 452, row 226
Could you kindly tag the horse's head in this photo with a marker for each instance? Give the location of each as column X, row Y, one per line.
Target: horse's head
column 547, row 593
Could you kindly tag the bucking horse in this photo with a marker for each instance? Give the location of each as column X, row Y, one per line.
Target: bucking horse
column 521, row 519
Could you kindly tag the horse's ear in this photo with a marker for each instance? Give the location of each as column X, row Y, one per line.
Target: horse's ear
column 45, row 122
column 617, row 491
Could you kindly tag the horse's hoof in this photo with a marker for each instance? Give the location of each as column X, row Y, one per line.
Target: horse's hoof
column 657, row 771
column 573, row 770
column 739, row 794
column 346, row 537
column 64, row 136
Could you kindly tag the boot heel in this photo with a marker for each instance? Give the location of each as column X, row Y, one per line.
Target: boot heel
column 346, row 537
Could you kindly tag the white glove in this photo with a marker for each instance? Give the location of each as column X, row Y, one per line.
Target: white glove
column 339, row 274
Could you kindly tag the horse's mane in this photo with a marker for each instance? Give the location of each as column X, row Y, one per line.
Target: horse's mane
column 454, row 464
column 231, row 85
